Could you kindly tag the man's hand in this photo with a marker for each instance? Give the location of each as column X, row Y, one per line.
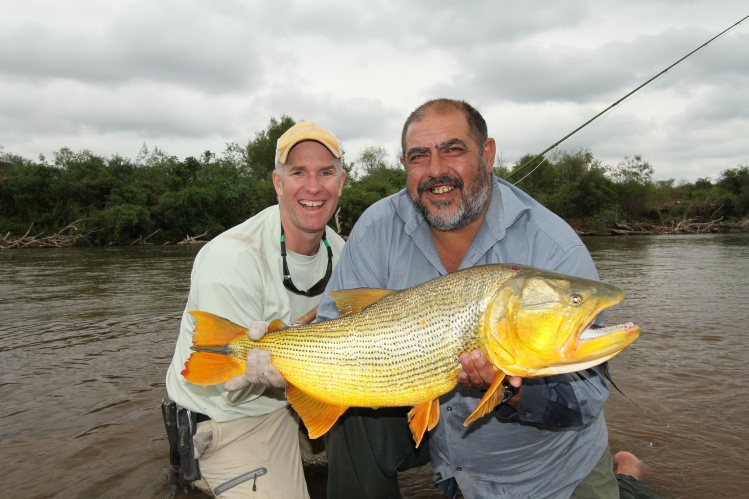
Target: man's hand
column 257, row 330
column 259, row 368
column 479, row 373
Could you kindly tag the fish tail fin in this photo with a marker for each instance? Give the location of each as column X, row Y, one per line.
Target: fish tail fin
column 490, row 399
column 317, row 416
column 422, row 418
column 212, row 330
column 212, row 363
column 210, row 368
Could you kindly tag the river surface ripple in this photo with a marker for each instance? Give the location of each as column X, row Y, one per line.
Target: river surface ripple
column 89, row 332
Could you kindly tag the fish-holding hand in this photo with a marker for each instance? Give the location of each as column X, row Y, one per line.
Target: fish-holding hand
column 480, row 374
column 259, row 370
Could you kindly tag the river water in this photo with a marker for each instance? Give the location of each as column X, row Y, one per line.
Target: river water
column 87, row 334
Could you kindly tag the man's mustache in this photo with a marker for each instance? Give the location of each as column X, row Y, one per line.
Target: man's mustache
column 441, row 180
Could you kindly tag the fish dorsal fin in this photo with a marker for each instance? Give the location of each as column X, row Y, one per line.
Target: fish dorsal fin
column 276, row 325
column 423, row 417
column 212, row 330
column 207, row 368
column 352, row 301
column 318, row 416
column 490, row 399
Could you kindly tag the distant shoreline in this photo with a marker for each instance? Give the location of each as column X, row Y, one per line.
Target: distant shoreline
column 63, row 239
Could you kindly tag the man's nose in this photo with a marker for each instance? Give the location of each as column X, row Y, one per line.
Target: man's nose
column 313, row 184
column 436, row 167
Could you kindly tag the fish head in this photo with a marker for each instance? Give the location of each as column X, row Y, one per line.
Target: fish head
column 538, row 324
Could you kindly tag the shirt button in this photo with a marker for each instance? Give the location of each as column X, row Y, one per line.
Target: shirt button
column 459, row 468
column 449, row 408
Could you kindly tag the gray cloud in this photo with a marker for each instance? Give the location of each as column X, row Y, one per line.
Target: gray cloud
column 187, row 76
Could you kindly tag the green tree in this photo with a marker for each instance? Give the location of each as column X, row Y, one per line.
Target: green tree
column 574, row 185
column 633, row 185
column 371, row 159
column 260, row 156
column 363, row 192
column 735, row 181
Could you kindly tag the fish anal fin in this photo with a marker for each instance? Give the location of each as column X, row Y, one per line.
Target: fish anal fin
column 212, row 330
column 317, row 416
column 208, row 368
column 276, row 325
column 423, row 417
column 490, row 399
column 352, row 301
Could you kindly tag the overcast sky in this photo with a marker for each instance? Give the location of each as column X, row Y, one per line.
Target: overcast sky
column 188, row 76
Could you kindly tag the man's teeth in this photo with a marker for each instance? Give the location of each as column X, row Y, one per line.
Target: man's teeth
column 311, row 204
column 443, row 189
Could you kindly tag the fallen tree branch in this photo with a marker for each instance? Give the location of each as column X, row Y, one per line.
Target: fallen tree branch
column 144, row 240
column 683, row 226
column 59, row 239
column 194, row 239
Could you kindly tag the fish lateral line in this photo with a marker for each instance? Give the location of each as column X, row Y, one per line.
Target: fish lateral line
column 223, row 350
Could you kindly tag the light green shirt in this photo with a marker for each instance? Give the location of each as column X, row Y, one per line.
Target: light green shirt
column 239, row 276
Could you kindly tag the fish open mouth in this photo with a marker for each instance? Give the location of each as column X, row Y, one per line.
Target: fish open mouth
column 592, row 347
column 594, row 332
column 596, row 345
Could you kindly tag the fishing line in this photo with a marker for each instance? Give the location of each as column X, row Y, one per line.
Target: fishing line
column 530, row 172
column 619, row 101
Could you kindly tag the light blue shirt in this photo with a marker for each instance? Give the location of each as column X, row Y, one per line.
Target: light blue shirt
column 563, row 431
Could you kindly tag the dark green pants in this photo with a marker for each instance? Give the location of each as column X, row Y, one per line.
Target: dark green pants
column 366, row 448
column 632, row 488
column 600, row 483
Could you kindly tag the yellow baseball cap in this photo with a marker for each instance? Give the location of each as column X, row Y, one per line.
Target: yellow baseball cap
column 306, row 130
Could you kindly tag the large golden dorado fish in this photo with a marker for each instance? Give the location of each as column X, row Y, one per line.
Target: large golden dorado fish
column 400, row 348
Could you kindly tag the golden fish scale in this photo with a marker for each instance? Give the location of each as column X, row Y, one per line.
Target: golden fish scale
column 400, row 351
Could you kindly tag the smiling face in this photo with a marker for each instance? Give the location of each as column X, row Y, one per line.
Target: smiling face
column 448, row 173
column 308, row 187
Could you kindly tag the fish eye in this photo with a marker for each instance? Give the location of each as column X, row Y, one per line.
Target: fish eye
column 576, row 300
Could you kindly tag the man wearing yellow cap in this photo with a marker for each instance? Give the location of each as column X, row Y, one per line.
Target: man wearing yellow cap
column 275, row 265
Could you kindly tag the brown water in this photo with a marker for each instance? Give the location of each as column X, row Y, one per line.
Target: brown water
column 88, row 334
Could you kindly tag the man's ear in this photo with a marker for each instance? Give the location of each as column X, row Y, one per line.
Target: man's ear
column 341, row 182
column 277, row 183
column 490, row 152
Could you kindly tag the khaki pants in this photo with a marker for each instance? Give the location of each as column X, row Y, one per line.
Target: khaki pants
column 253, row 454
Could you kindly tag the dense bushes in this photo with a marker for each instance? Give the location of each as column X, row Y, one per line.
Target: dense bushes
column 161, row 199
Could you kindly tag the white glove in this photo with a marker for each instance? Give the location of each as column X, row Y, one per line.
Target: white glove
column 257, row 330
column 259, row 370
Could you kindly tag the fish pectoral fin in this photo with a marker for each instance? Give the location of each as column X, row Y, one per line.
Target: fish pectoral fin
column 208, row 368
column 353, row 301
column 317, row 416
column 423, row 417
column 212, row 330
column 490, row 399
column 276, row 325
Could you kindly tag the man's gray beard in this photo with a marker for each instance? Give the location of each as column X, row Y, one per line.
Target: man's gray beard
column 472, row 203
